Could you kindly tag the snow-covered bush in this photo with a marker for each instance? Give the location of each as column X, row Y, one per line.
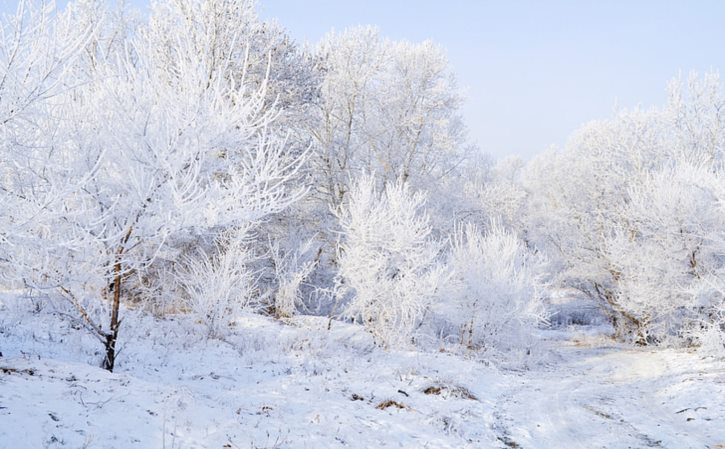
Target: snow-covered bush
column 291, row 269
column 388, row 263
column 494, row 298
column 710, row 336
column 218, row 285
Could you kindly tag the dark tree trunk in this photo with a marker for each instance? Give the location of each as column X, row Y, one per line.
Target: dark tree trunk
column 112, row 335
column 626, row 326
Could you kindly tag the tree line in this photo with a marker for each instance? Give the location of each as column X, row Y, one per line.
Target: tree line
column 197, row 160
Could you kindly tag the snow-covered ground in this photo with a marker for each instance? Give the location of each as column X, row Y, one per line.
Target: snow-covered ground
column 298, row 385
column 603, row 395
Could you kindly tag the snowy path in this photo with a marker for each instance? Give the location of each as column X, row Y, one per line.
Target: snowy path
column 616, row 398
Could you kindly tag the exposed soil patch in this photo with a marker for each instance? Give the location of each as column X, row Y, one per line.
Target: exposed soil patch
column 390, row 403
column 8, row 370
column 446, row 391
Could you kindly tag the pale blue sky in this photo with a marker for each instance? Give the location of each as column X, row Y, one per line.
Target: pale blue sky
column 533, row 70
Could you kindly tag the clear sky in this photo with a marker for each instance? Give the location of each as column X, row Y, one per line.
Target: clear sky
column 533, row 71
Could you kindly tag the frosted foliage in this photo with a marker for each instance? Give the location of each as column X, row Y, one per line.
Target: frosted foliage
column 388, row 261
column 495, row 294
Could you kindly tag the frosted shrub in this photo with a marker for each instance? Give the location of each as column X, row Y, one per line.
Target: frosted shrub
column 290, row 271
column 387, row 261
column 495, row 291
column 711, row 337
column 220, row 284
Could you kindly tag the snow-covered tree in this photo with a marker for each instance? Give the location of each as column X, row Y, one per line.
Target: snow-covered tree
column 669, row 255
column 251, row 52
column 632, row 208
column 157, row 144
column 386, row 107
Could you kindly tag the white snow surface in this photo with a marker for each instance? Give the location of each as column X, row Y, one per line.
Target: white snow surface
column 297, row 385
